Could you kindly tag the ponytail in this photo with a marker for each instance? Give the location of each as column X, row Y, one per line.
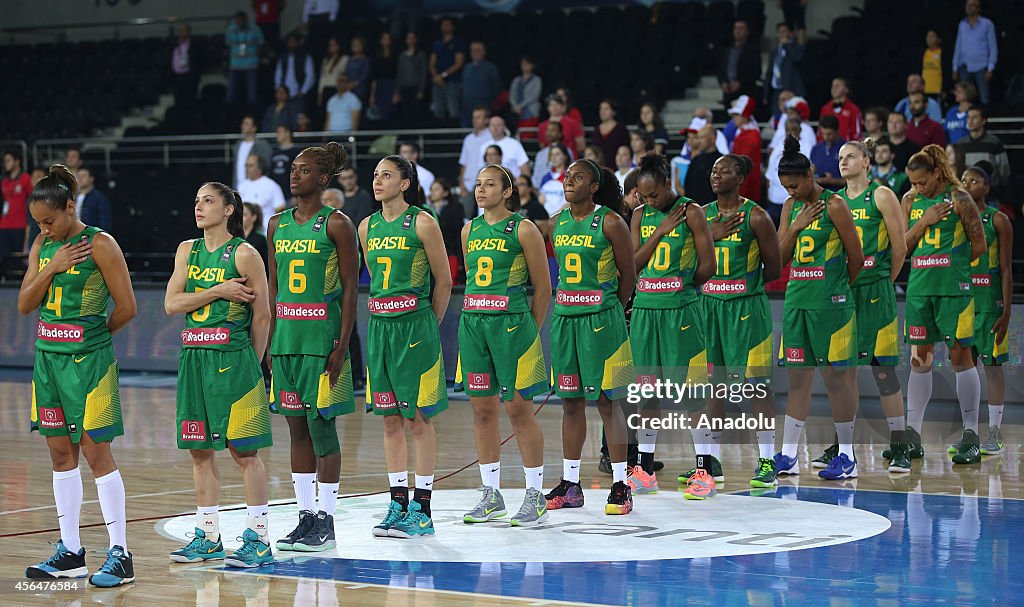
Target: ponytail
column 57, row 188
column 930, row 158
column 609, row 193
column 793, row 162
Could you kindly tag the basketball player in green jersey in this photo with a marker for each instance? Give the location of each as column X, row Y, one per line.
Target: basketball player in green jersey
column 314, row 267
column 992, row 278
column 817, row 234
column 220, row 285
column 738, row 317
column 405, row 379
column 673, row 257
column 73, row 272
column 499, row 340
column 593, row 360
column 944, row 236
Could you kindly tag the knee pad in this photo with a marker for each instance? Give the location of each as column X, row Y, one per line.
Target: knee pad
column 324, row 434
column 886, row 380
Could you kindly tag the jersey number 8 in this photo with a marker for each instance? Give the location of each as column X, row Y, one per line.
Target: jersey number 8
column 484, row 269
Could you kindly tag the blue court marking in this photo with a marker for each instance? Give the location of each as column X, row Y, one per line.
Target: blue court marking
column 941, row 549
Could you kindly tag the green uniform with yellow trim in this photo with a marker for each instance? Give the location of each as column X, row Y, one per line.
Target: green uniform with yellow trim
column 221, row 397
column 308, row 327
column 666, row 329
column 940, row 302
column 874, row 295
column 593, row 353
column 988, row 296
column 74, row 380
column 405, row 368
column 737, row 315
column 819, row 319
column 499, row 345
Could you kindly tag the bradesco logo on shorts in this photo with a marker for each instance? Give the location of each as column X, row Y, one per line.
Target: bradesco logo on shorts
column 807, row 273
column 668, row 284
column 981, row 280
column 60, row 333
column 193, row 430
column 301, row 311
column 869, row 262
column 478, row 381
column 485, row 302
column 794, row 355
column 569, row 383
column 385, row 400
column 918, row 332
column 51, row 417
column 290, row 400
column 206, row 337
column 578, row 298
column 390, row 305
column 923, row 262
column 725, row 287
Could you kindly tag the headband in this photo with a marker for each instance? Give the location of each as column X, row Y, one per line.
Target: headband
column 984, row 174
column 600, row 173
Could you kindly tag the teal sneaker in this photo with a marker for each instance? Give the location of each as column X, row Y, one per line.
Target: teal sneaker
column 395, row 514
column 823, row 460
column 199, row 549
column 716, row 472
column 766, row 475
column 63, row 563
column 253, row 553
column 413, row 524
column 117, row 569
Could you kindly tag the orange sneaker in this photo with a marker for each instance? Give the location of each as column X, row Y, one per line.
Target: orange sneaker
column 640, row 482
column 701, row 486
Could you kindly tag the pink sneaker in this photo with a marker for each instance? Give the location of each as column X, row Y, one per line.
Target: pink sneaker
column 701, row 486
column 640, row 482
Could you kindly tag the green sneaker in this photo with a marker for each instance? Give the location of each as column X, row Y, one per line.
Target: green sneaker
column 913, row 442
column 900, row 457
column 823, row 460
column 395, row 514
column 766, row 475
column 716, row 472
column 413, row 524
column 993, row 442
column 970, row 450
column 199, row 549
column 253, row 553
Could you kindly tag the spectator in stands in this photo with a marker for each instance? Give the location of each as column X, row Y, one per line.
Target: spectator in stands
column 721, row 143
column 825, row 154
column 450, row 218
column 358, row 69
column 572, row 130
column 243, row 42
column 73, row 157
column 640, row 144
column 981, row 145
column 883, row 171
column 747, row 143
column 446, row 62
column 249, row 145
column 551, row 195
column 783, row 72
column 410, row 150
column 357, row 203
column 481, row 82
column 902, row 148
column 915, row 84
column 492, row 154
column 531, row 208
column 874, row 122
column 651, row 121
column 692, row 145
column 268, row 19
column 777, row 194
column 524, row 96
column 281, row 159
column 955, row 158
column 305, row 123
column 513, row 156
column 975, row 53
column 793, row 13
column 471, row 157
column 15, row 188
column 262, row 190
column 542, row 162
column 411, row 79
column 623, row 164
column 93, row 205
column 252, row 228
column 697, row 184
column 931, row 65
column 739, row 65
column 610, row 134
column 280, row 113
column 780, row 111
column 185, row 67
column 629, row 191
column 796, row 108
column 570, row 110
column 844, row 109
column 956, row 118
column 343, row 108
column 594, row 154
column 921, row 129
column 384, row 70
column 332, row 66
column 405, row 17
column 318, row 19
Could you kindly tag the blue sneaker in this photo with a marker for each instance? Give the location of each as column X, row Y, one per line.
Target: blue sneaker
column 253, row 553
column 199, row 549
column 839, row 468
column 117, row 570
column 63, row 563
column 786, row 465
column 414, row 523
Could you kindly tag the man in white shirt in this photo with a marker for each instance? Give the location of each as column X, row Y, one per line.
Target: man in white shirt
column 471, row 158
column 249, row 145
column 411, row 152
column 513, row 156
column 262, row 190
column 797, row 108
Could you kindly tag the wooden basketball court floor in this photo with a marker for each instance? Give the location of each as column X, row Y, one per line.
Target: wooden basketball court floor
column 939, row 534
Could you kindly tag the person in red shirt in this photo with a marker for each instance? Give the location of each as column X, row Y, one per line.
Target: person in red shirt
column 845, row 110
column 572, row 130
column 747, row 143
column 268, row 19
column 15, row 189
column 921, row 129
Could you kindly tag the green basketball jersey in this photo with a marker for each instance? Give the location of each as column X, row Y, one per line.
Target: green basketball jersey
column 941, row 263
column 496, row 270
column 308, row 306
column 74, row 316
column 221, row 324
column 666, row 281
column 588, row 280
column 874, row 236
column 818, row 278
column 739, row 267
column 985, row 277
column 399, row 270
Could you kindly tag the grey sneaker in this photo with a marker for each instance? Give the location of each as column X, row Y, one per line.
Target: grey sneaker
column 491, row 506
column 993, row 443
column 534, row 510
column 320, row 537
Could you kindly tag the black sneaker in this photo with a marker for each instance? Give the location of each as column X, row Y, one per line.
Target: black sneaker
column 320, row 537
column 117, row 569
column 604, row 464
column 63, row 563
column 970, row 449
column 566, row 495
column 823, row 460
column 307, row 519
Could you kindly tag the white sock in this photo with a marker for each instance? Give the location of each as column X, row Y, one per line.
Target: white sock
column 919, row 392
column 968, row 391
column 425, row 483
column 256, row 519
column 701, row 441
column 111, row 490
column 534, row 477
column 765, row 443
column 490, row 475
column 995, row 416
column 398, row 479
column 844, row 430
column 791, row 436
column 327, row 495
column 896, row 424
column 646, row 440
column 67, row 494
column 208, row 519
column 571, row 470
column 715, row 447
column 618, row 472
column 304, row 484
